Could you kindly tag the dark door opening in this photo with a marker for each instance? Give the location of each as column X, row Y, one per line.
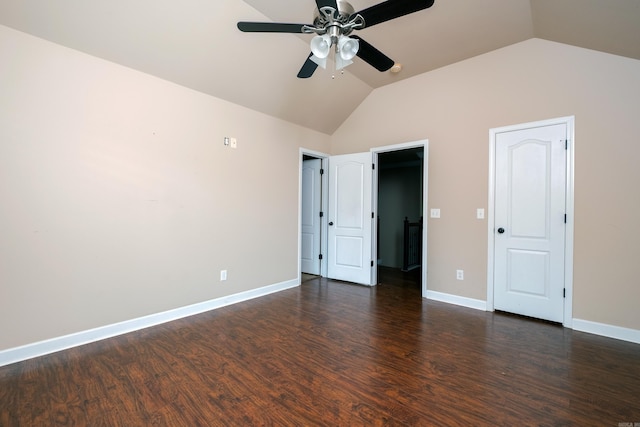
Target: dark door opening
column 400, row 190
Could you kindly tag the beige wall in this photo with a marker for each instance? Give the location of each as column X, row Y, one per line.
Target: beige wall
column 119, row 200
column 454, row 107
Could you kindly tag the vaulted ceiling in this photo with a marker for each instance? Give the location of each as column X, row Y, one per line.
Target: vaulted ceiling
column 195, row 43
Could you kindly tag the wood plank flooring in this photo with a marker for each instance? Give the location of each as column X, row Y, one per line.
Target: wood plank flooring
column 333, row 354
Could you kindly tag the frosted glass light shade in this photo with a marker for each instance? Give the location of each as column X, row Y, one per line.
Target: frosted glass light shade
column 341, row 63
column 348, row 47
column 321, row 46
column 320, row 61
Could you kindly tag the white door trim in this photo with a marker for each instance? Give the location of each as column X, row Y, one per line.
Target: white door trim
column 568, row 274
column 325, row 202
column 311, row 206
column 425, row 192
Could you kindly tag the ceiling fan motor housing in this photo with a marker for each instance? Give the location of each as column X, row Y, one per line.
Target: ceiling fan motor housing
column 328, row 14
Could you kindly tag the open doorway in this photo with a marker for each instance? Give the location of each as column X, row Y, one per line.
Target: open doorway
column 399, row 217
column 351, row 205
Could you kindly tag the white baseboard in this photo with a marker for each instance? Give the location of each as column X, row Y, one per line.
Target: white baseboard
column 457, row 300
column 610, row 331
column 53, row 345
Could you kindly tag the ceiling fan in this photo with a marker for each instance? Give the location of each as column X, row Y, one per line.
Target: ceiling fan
column 333, row 23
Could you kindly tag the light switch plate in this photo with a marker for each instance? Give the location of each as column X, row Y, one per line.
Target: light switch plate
column 480, row 213
column 435, row 213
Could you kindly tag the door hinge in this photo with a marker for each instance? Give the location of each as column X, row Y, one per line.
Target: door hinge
column 373, row 166
column 372, row 215
column 565, row 218
column 321, row 171
column 320, row 256
column 564, row 292
column 371, row 263
column 566, row 144
column 321, row 214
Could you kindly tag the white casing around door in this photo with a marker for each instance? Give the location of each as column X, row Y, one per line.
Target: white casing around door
column 310, row 216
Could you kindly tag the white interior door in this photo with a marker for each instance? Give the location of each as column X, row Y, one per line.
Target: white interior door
column 350, row 224
column 310, row 220
column 529, row 232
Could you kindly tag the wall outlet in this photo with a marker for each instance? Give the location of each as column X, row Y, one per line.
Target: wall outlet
column 480, row 213
column 460, row 274
column 435, row 213
column 223, row 275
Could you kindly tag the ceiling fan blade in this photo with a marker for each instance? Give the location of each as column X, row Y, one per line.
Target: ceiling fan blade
column 392, row 9
column 308, row 68
column 269, row 27
column 373, row 56
column 323, row 3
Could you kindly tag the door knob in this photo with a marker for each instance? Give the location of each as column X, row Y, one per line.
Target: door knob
column 500, row 230
column 331, row 223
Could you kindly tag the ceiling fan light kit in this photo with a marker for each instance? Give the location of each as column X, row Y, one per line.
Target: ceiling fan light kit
column 346, row 50
column 333, row 23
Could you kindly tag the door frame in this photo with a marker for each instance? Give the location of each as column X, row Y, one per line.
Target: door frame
column 424, row 143
column 325, row 201
column 569, row 121
column 315, row 262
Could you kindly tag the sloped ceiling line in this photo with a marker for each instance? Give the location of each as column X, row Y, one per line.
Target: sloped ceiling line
column 197, row 44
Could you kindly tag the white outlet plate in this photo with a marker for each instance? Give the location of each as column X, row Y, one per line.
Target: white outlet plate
column 223, row 275
column 234, row 143
column 460, row 274
column 480, row 213
column 435, row 213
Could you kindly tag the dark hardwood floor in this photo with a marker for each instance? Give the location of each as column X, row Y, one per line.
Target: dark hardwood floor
column 335, row 354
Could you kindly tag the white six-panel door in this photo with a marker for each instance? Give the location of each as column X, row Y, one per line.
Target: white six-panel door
column 349, row 218
column 529, row 232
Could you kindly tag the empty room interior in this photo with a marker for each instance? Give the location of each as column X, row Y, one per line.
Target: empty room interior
column 253, row 212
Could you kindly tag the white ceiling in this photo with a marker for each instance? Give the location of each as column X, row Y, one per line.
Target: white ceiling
column 195, row 43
